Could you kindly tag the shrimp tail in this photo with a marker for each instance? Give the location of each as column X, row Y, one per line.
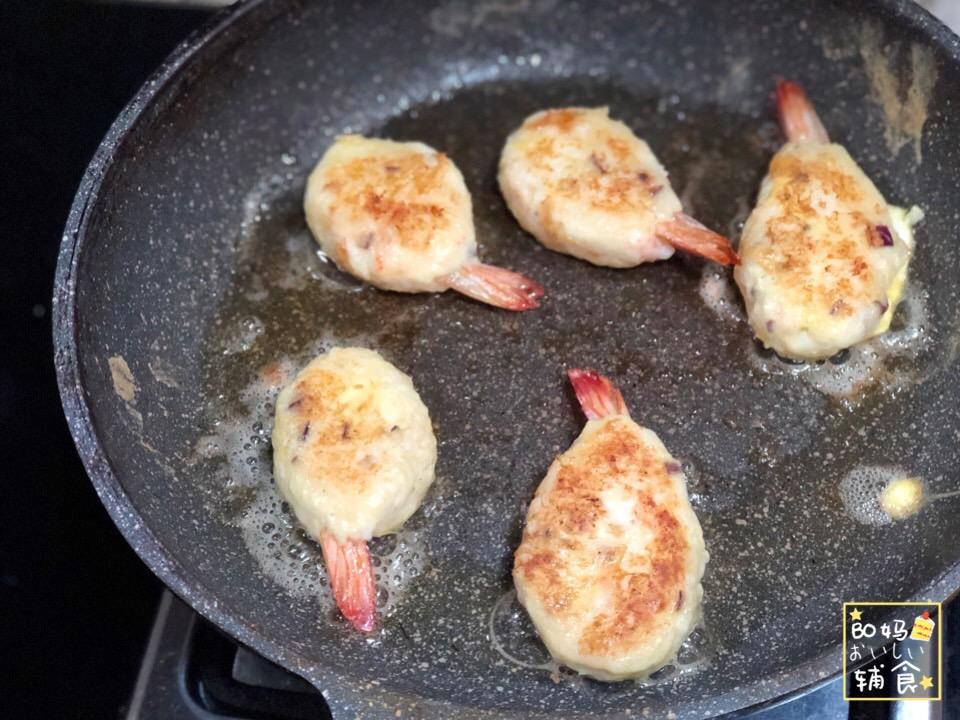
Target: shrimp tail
column 351, row 577
column 685, row 233
column 797, row 117
column 598, row 397
column 497, row 286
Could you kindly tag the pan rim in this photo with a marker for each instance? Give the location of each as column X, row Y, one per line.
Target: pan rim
column 66, row 356
column 338, row 689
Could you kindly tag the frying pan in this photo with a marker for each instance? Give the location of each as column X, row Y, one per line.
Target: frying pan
column 187, row 284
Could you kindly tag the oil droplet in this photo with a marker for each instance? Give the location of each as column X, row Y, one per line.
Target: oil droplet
column 719, row 293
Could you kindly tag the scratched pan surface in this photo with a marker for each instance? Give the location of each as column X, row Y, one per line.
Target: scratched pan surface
column 188, row 283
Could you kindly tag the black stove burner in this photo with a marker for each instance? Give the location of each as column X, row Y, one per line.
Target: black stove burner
column 191, row 670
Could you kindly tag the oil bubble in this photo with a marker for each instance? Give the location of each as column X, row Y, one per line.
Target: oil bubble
column 862, row 488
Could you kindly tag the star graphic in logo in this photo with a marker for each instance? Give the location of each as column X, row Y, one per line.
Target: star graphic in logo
column 926, row 682
column 855, row 614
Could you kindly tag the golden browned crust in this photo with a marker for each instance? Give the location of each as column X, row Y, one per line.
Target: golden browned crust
column 611, row 181
column 562, row 119
column 337, row 422
column 391, row 190
column 842, row 266
column 572, row 549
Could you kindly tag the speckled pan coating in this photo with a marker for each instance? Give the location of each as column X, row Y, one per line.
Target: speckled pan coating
column 168, row 238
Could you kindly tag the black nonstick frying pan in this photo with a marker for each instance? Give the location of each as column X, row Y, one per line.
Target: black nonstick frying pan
column 188, row 286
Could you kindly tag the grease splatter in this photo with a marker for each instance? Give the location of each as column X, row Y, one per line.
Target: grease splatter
column 124, row 384
column 902, row 89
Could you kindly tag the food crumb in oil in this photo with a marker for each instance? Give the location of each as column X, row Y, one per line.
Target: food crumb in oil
column 879, row 495
column 902, row 497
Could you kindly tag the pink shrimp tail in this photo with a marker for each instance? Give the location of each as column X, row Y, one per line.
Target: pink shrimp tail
column 497, row 286
column 797, row 117
column 685, row 233
column 598, row 397
column 351, row 577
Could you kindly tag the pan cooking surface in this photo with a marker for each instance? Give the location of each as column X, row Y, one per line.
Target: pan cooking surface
column 199, row 289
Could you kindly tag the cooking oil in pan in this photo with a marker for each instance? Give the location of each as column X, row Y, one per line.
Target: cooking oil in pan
column 514, row 638
column 879, row 495
column 887, row 360
column 292, row 559
column 240, row 439
column 719, row 293
column 287, row 295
